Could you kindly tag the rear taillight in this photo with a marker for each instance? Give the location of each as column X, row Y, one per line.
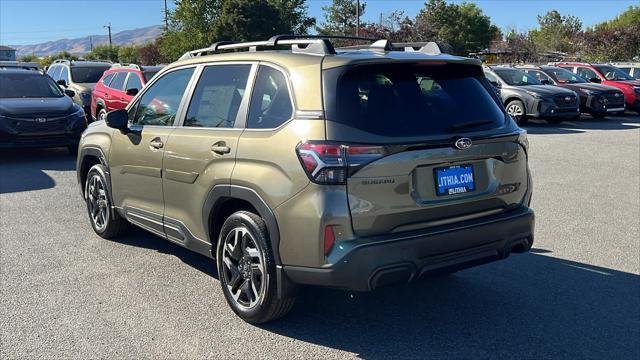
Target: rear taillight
column 331, row 164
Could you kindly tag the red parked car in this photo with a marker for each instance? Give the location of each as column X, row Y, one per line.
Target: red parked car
column 608, row 75
column 118, row 86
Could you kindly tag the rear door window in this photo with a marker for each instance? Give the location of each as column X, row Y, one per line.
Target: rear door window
column 218, row 96
column 409, row 100
column 118, row 81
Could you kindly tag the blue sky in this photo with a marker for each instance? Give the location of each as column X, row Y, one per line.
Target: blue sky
column 34, row 21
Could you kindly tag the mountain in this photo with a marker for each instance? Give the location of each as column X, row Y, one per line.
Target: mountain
column 83, row 45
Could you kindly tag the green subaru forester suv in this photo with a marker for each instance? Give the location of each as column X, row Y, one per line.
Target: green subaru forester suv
column 297, row 163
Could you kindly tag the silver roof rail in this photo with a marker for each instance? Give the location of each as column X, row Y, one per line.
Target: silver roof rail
column 304, row 44
column 128, row 66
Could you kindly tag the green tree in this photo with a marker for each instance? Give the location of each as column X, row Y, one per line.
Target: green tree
column 104, row 52
column 128, row 54
column 628, row 18
column 341, row 17
column 556, row 32
column 464, row 27
column 197, row 24
column 613, row 40
column 28, row 58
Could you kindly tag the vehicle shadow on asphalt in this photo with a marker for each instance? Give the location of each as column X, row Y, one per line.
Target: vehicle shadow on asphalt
column 528, row 306
column 24, row 170
column 627, row 122
column 143, row 239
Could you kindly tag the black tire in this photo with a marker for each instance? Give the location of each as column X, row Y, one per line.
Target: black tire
column 521, row 116
column 598, row 115
column 101, row 115
column 105, row 221
column 249, row 229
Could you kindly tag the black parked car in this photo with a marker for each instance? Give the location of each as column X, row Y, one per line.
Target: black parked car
column 596, row 99
column 35, row 112
column 525, row 97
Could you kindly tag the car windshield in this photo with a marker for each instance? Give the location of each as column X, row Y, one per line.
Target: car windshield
column 148, row 75
column 516, row 77
column 28, row 85
column 612, row 73
column 411, row 100
column 87, row 74
column 565, row 76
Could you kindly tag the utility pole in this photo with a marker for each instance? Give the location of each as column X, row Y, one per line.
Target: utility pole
column 381, row 14
column 109, row 27
column 91, row 43
column 166, row 16
column 357, row 17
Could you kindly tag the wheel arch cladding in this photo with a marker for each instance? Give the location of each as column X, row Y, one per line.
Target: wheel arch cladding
column 226, row 199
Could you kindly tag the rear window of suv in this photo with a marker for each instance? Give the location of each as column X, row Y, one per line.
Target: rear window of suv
column 409, row 100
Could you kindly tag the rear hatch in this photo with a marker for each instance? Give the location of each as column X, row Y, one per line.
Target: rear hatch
column 426, row 144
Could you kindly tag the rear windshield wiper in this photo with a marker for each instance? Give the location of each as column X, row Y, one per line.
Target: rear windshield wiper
column 468, row 124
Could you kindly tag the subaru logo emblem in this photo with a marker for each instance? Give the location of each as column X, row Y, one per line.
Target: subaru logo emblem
column 617, row 95
column 463, row 143
column 568, row 98
column 41, row 120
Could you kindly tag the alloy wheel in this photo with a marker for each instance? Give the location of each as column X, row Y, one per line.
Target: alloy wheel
column 102, row 115
column 243, row 268
column 515, row 111
column 98, row 202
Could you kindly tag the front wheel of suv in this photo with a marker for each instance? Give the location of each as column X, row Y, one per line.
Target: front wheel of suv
column 247, row 270
column 105, row 222
column 516, row 109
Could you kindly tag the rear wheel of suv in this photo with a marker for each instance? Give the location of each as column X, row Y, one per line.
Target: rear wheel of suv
column 106, row 223
column 247, row 270
column 516, row 109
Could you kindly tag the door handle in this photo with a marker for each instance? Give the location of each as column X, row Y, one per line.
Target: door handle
column 106, row 96
column 220, row 148
column 156, row 143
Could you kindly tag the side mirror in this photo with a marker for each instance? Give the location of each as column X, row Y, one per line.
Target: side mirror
column 118, row 119
column 496, row 84
column 545, row 82
column 62, row 82
column 595, row 80
column 70, row 93
column 132, row 92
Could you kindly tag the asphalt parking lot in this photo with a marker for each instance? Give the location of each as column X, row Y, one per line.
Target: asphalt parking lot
column 65, row 292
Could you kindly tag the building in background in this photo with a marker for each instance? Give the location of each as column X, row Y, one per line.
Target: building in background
column 7, row 53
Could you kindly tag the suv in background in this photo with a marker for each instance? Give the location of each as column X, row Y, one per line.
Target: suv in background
column 79, row 76
column 608, row 75
column 595, row 99
column 378, row 168
column 631, row 68
column 118, row 86
column 525, row 97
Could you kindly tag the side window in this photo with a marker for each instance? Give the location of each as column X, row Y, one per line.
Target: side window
column 118, row 81
column 217, row 97
column 492, row 78
column 539, row 75
column 270, row 101
column 159, row 104
column 64, row 74
column 587, row 73
column 107, row 79
column 54, row 72
column 133, row 82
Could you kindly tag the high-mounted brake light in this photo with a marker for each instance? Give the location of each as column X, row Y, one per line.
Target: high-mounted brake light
column 331, row 164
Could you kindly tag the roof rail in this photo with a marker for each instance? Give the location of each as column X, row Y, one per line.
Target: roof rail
column 128, row 66
column 64, row 61
column 307, row 44
column 429, row 48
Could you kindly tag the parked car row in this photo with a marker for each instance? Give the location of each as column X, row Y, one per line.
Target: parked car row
column 562, row 92
column 34, row 111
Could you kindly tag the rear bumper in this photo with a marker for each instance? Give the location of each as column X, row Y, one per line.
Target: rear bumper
column 366, row 264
